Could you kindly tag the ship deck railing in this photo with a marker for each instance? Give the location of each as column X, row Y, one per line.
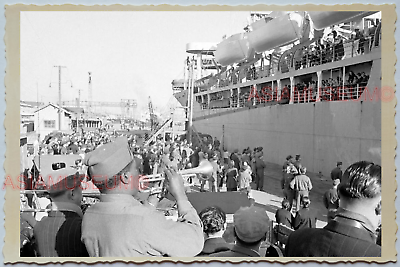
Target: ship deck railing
column 300, row 58
column 330, row 93
column 308, row 95
column 314, row 55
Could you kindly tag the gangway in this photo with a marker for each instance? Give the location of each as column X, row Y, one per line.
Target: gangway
column 157, row 132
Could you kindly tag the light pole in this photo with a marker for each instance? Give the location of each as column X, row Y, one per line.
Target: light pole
column 59, row 96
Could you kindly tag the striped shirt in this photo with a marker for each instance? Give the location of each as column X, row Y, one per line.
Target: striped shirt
column 59, row 235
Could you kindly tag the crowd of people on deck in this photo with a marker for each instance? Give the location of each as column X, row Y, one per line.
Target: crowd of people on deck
column 323, row 50
column 126, row 223
column 332, row 47
column 331, row 89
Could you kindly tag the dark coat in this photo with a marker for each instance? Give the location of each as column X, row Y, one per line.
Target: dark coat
column 305, row 218
column 194, row 159
column 236, row 251
column 331, row 199
column 236, row 159
column 231, row 182
column 146, row 165
column 214, row 245
column 217, row 143
column 336, row 173
column 284, row 217
column 246, row 158
column 298, row 165
column 260, row 166
column 349, row 236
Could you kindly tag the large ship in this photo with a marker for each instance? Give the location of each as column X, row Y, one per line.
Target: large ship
column 293, row 83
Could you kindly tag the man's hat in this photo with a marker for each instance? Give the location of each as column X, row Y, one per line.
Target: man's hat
column 108, row 160
column 339, row 163
column 59, row 172
column 251, row 223
column 289, row 157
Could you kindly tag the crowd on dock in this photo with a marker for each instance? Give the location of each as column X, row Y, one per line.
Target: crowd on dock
column 122, row 224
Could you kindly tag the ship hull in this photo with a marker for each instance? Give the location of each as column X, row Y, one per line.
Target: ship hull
column 322, row 132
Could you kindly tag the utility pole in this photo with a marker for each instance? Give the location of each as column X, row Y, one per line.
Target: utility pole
column 90, row 93
column 79, row 111
column 59, row 96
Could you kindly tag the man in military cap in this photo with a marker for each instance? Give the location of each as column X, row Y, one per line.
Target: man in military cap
column 121, row 226
column 59, row 234
column 251, row 226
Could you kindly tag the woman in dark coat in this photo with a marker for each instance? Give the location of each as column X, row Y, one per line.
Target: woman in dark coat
column 231, row 177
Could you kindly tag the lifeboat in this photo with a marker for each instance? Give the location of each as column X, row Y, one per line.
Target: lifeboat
column 234, row 49
column 260, row 23
column 323, row 19
column 278, row 31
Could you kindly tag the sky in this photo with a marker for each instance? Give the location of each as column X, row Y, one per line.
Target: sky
column 131, row 55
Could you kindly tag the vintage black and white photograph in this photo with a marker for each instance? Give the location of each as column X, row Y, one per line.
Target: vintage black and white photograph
column 201, row 134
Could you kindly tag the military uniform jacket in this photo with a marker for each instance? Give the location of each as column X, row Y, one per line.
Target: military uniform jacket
column 349, row 234
column 120, row 226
